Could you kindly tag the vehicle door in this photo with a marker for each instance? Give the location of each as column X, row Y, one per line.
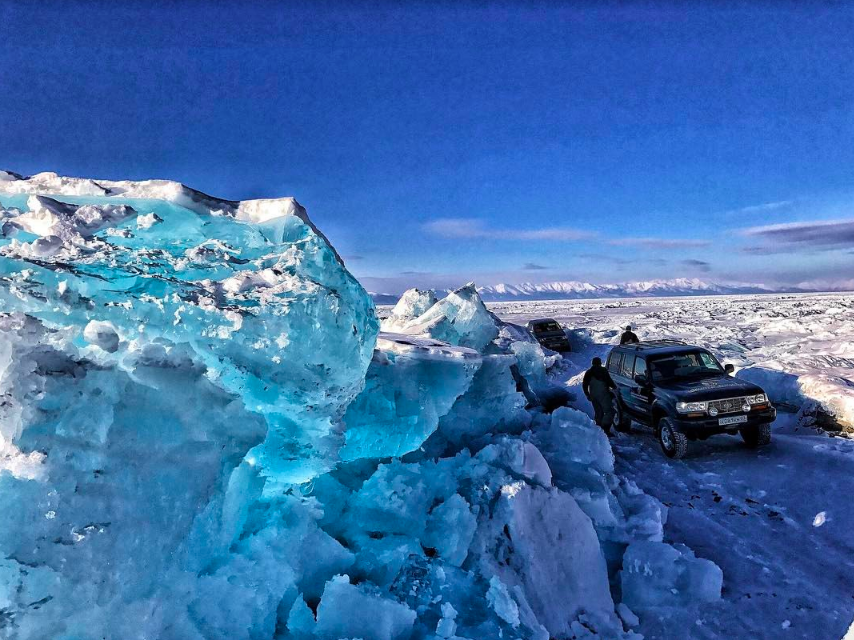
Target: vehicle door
column 640, row 395
column 615, row 359
column 617, row 369
column 627, row 384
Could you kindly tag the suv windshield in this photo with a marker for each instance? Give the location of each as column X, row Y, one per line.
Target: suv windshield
column 541, row 327
column 684, row 365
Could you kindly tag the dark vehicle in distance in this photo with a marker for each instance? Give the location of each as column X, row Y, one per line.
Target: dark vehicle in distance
column 684, row 393
column 549, row 334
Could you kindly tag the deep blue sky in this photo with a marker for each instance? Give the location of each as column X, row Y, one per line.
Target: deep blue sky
column 438, row 144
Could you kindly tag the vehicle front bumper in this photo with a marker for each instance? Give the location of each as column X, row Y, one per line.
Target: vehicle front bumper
column 708, row 426
column 555, row 344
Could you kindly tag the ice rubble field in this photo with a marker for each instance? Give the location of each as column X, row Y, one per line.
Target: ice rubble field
column 778, row 521
column 205, row 435
column 799, row 348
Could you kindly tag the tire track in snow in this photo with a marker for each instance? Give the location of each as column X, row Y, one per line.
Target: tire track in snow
column 754, row 514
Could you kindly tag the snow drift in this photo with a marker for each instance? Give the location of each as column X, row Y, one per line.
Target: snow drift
column 204, row 435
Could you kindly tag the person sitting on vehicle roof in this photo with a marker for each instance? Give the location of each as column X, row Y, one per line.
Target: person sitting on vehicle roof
column 597, row 385
column 629, row 336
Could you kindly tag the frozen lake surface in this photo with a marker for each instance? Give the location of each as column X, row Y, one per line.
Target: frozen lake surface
column 778, row 521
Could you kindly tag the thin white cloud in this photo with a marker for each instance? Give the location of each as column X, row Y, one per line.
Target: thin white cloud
column 764, row 250
column 660, row 243
column 825, row 234
column 765, row 207
column 470, row 228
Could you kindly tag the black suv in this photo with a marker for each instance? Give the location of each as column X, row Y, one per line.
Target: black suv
column 685, row 394
column 549, row 334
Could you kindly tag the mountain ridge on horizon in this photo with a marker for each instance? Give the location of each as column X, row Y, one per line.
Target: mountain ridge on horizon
column 577, row 290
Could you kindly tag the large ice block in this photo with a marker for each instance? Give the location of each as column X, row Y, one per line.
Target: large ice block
column 460, row 318
column 171, row 364
column 252, row 288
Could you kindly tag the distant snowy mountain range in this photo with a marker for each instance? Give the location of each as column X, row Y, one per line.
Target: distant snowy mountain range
column 570, row 290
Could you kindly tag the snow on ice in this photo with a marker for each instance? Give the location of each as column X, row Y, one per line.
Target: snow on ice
column 777, row 521
column 205, row 435
column 797, row 347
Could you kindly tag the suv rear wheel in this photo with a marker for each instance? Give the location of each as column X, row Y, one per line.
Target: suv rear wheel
column 621, row 421
column 757, row 436
column 673, row 443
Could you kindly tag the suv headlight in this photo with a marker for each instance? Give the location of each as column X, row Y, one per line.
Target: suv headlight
column 690, row 407
column 759, row 398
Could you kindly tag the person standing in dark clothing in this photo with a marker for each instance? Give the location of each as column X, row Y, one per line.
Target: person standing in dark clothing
column 629, row 336
column 597, row 386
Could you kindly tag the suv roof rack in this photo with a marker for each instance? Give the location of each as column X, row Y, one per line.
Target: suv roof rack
column 655, row 344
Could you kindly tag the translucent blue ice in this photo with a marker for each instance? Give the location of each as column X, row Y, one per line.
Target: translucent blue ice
column 266, row 305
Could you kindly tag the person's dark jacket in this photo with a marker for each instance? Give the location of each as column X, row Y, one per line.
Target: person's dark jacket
column 629, row 337
column 597, row 381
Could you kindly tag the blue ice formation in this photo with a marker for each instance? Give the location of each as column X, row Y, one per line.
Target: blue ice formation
column 235, row 282
column 459, row 319
column 204, row 435
column 411, row 383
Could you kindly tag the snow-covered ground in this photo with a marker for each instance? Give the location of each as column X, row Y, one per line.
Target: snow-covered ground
column 777, row 521
column 799, row 347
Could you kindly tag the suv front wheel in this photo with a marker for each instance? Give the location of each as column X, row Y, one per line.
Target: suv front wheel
column 674, row 443
column 757, row 436
column 621, row 421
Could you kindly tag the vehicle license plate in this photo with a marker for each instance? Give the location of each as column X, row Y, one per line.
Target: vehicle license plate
column 732, row 420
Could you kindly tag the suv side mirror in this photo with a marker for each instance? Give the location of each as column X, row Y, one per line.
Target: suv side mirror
column 641, row 380
column 729, row 369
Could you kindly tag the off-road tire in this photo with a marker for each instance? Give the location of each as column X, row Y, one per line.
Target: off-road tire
column 673, row 443
column 621, row 421
column 757, row 436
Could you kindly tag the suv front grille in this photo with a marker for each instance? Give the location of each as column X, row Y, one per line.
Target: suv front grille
column 728, row 405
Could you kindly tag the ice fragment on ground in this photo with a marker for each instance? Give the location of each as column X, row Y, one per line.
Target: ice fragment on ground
column 412, row 304
column 656, row 574
column 459, row 319
column 148, row 220
column 450, row 530
column 519, row 458
column 350, row 611
column 447, row 627
column 627, row 616
column 579, row 439
column 540, row 543
column 500, row 600
column 300, row 621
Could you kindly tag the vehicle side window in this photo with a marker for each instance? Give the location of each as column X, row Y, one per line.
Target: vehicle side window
column 640, row 367
column 708, row 361
column 628, row 365
column 614, row 361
